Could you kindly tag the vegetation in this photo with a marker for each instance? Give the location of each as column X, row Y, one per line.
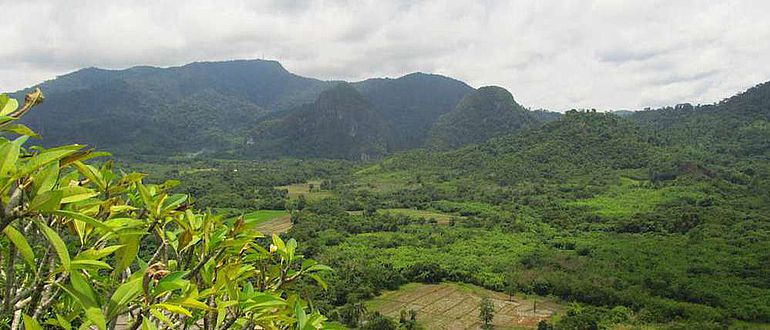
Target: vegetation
column 246, row 109
column 85, row 246
column 486, row 313
column 488, row 112
column 655, row 219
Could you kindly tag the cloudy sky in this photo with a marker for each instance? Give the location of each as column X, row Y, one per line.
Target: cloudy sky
column 558, row 55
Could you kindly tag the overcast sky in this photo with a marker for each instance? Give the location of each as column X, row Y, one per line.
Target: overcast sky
column 550, row 54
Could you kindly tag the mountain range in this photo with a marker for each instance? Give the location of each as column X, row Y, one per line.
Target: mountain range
column 257, row 109
column 243, row 108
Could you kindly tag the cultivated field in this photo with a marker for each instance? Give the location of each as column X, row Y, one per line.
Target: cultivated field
column 456, row 306
column 269, row 221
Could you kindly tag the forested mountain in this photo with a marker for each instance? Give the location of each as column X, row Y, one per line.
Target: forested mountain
column 341, row 123
column 488, row 112
column 199, row 106
column 214, row 107
column 736, row 126
column 412, row 104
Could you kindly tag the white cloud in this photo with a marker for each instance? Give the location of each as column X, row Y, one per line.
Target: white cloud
column 553, row 54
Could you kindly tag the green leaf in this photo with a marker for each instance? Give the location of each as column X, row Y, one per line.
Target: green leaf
column 162, row 317
column 21, row 130
column 22, row 245
column 89, row 264
column 48, row 156
column 87, row 296
column 46, row 202
column 124, row 294
column 82, row 217
column 7, row 105
column 147, row 325
column 45, row 180
column 193, row 303
column 9, row 153
column 91, row 173
column 98, row 254
column 75, row 194
column 30, row 323
column 57, row 243
column 171, row 282
column 173, row 201
column 63, row 322
column 173, row 308
column 95, row 315
column 127, row 254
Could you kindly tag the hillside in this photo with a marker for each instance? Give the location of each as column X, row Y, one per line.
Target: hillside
column 411, row 104
column 736, row 126
column 341, row 123
column 486, row 113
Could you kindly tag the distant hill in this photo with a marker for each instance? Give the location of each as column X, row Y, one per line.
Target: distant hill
column 412, row 104
column 486, row 113
column 736, row 126
column 215, row 108
column 341, row 123
column 146, row 110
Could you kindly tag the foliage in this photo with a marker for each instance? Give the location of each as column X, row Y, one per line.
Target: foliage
column 486, row 312
column 487, row 112
column 76, row 236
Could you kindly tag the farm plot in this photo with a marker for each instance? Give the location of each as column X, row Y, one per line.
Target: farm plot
column 456, row 306
column 269, row 221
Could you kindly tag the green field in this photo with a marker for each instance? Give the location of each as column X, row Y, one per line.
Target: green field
column 632, row 196
column 303, row 189
column 261, row 216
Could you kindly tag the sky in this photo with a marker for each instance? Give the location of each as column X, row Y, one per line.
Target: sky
column 556, row 55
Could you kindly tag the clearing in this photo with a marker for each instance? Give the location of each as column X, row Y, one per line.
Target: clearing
column 297, row 189
column 456, row 306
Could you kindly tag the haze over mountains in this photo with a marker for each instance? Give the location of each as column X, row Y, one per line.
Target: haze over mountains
column 258, row 109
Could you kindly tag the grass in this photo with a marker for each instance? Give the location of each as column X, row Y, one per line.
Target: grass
column 632, row 196
column 298, row 189
column 257, row 217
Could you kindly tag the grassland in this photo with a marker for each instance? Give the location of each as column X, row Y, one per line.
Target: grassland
column 455, row 306
column 303, row 189
column 633, row 196
column 258, row 217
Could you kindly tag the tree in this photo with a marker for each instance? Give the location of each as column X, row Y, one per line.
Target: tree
column 84, row 245
column 408, row 320
column 486, row 312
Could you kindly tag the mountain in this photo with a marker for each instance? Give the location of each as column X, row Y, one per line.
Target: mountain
column 341, row 123
column 215, row 107
column 146, row 110
column 488, row 112
column 411, row 104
